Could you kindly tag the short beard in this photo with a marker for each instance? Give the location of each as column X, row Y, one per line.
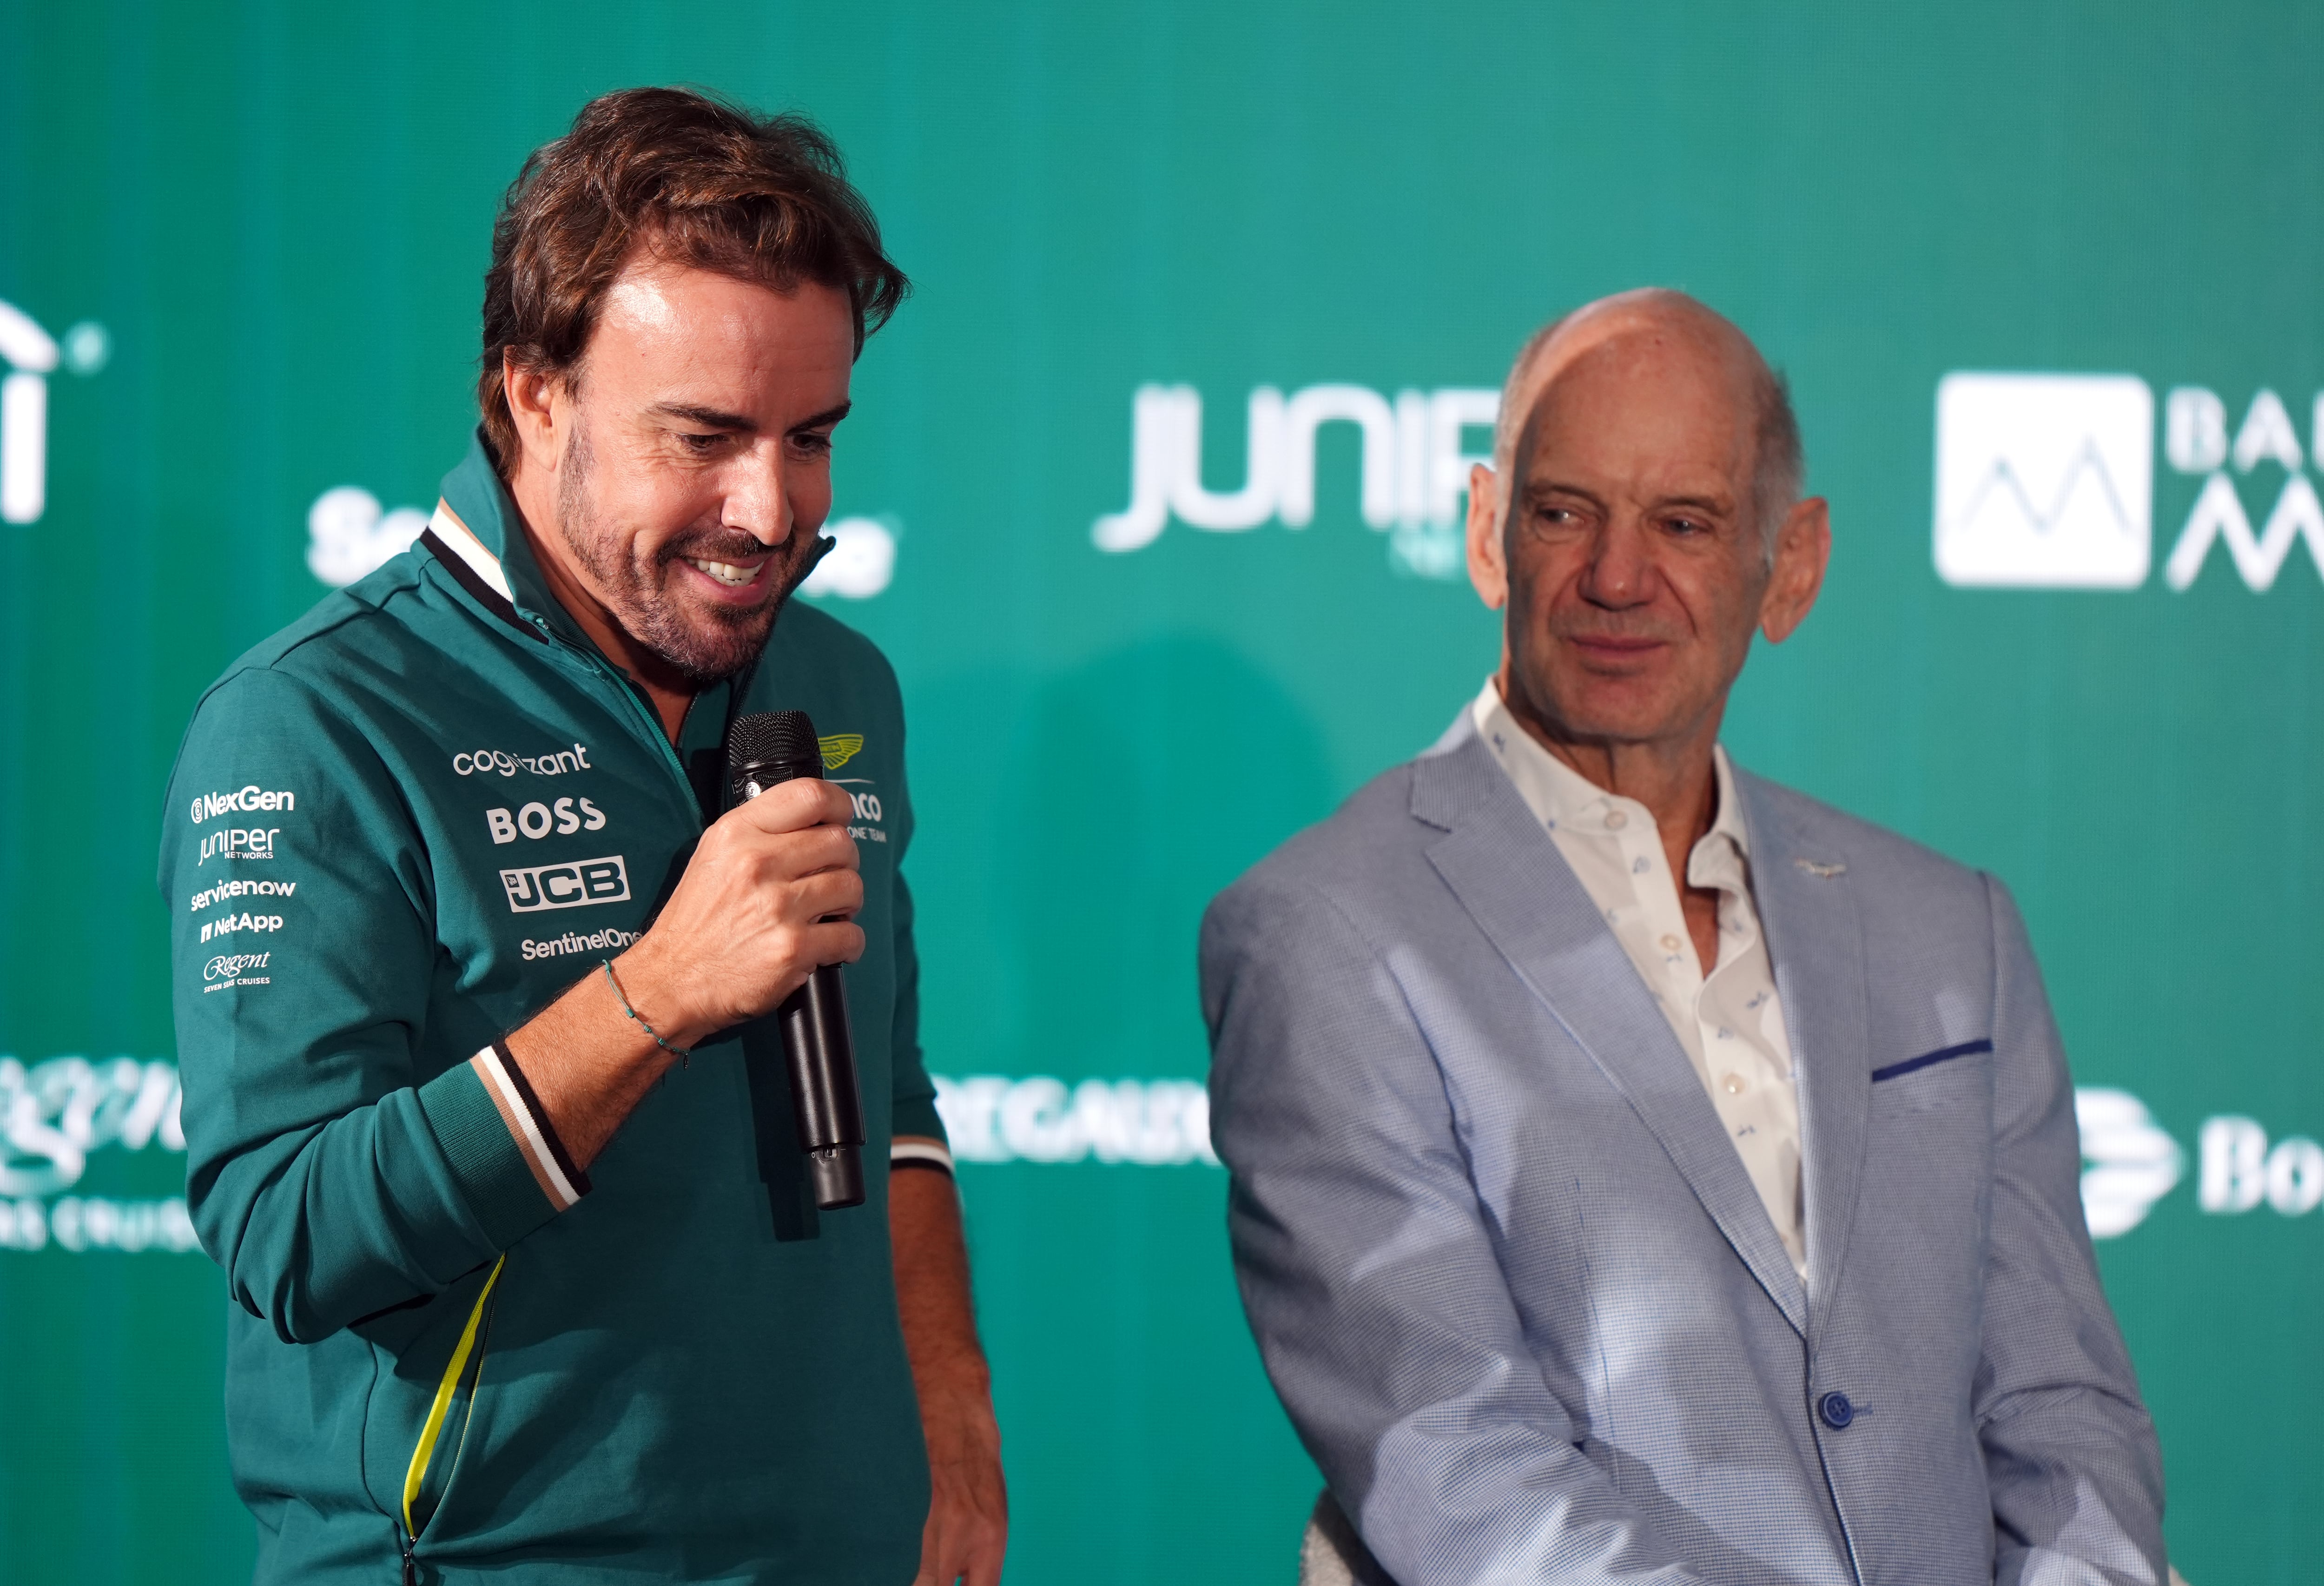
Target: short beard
column 717, row 644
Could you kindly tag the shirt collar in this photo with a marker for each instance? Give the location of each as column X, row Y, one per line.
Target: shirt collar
column 1560, row 796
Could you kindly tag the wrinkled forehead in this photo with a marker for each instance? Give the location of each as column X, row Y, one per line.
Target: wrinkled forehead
column 1687, row 377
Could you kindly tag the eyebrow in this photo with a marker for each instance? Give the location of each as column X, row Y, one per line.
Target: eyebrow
column 1539, row 489
column 714, row 419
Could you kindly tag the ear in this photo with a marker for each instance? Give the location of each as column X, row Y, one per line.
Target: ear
column 541, row 409
column 1803, row 551
column 1487, row 570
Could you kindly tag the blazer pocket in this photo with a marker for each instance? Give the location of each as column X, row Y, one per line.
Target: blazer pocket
column 1930, row 1060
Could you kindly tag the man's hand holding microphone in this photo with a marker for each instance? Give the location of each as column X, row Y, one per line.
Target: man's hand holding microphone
column 768, row 897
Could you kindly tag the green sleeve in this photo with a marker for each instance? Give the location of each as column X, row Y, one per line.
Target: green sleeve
column 335, row 1166
column 914, row 1099
column 915, row 1092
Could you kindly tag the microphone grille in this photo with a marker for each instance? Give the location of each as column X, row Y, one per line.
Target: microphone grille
column 781, row 737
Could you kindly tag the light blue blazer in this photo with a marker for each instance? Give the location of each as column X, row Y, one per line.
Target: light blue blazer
column 1516, row 1291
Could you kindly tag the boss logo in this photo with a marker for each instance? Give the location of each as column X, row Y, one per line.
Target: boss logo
column 567, row 886
column 538, row 820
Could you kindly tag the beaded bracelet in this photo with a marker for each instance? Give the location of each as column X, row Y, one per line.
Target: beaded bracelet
column 685, row 1058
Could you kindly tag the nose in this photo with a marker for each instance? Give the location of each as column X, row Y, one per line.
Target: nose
column 1618, row 573
column 756, row 501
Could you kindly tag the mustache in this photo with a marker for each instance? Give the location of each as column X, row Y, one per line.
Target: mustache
column 1652, row 633
column 730, row 546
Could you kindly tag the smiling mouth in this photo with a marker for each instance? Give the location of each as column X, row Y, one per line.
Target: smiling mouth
column 732, row 575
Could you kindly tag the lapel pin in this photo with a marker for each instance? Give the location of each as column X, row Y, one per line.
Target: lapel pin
column 1823, row 873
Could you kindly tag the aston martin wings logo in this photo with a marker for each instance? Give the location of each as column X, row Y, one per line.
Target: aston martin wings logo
column 839, row 748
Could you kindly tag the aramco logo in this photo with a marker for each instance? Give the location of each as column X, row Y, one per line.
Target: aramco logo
column 31, row 355
column 2047, row 481
column 1412, row 477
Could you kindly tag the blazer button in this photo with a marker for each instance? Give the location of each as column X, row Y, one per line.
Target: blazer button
column 1836, row 1411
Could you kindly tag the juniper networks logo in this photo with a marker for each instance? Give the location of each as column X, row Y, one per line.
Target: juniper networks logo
column 2047, row 481
column 1413, row 476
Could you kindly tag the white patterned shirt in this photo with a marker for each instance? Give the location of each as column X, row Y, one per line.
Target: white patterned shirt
column 1729, row 1024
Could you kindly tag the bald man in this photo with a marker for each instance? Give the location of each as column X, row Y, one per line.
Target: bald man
column 1642, row 1172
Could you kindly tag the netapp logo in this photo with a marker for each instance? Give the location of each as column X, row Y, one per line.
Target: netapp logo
column 567, row 886
column 1415, row 471
column 208, row 806
column 2046, row 481
column 230, row 924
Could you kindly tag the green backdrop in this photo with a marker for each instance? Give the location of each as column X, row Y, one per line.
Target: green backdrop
column 248, row 240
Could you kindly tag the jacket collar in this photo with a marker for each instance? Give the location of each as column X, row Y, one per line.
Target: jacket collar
column 477, row 533
column 1808, row 908
column 1507, row 872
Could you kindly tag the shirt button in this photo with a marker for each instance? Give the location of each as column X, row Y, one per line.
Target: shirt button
column 1733, row 1085
column 1617, row 820
column 1836, row 1411
column 1670, row 944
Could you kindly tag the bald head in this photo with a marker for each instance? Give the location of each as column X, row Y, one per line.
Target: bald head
column 1675, row 326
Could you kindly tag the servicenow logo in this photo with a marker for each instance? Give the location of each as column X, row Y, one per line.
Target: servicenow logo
column 1413, row 475
column 2047, row 481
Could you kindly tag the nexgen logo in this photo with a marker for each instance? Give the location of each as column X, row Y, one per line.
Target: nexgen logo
column 567, row 886
column 208, row 806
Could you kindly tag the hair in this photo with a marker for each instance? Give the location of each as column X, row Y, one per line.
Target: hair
column 675, row 175
column 1779, row 466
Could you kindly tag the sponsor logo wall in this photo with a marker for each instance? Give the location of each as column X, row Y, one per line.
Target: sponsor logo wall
column 1154, row 493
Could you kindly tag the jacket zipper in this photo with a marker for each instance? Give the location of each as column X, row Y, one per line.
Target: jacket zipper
column 640, row 710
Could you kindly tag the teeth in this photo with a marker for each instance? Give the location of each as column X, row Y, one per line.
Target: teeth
column 726, row 573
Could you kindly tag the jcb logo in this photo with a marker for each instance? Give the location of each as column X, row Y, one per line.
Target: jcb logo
column 567, row 886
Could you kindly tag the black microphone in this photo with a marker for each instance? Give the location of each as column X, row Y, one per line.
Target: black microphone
column 761, row 750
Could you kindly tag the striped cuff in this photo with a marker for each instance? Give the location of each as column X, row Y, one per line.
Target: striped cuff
column 919, row 1153
column 529, row 1125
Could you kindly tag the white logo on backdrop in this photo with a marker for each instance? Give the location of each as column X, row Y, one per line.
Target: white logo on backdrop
column 1413, row 476
column 54, row 1114
column 2132, row 1163
column 2195, row 439
column 32, row 355
column 860, row 565
column 348, row 537
column 2044, row 480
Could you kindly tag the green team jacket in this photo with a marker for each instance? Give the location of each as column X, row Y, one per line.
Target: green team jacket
column 396, row 830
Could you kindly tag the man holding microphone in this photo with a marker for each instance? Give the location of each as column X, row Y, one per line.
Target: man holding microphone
column 473, row 977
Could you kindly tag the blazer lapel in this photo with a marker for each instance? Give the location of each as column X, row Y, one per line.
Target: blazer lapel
column 1806, row 899
column 1509, row 874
